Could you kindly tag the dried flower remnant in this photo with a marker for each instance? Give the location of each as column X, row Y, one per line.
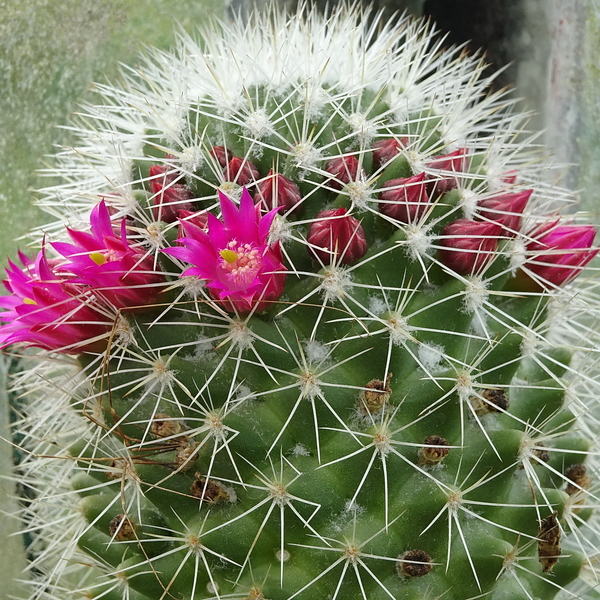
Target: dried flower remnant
column 243, row 271
column 375, row 396
column 414, row 563
column 434, row 450
column 489, row 400
column 549, row 536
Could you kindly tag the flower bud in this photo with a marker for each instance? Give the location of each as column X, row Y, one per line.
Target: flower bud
column 241, row 171
column 343, row 170
column 336, row 236
column 221, row 155
column 439, row 168
column 559, row 252
column 469, row 245
column 385, row 150
column 404, row 199
column 277, row 191
column 169, row 196
column 506, row 209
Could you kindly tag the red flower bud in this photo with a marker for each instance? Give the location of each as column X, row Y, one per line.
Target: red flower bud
column 169, row 196
column 200, row 219
column 439, row 168
column 404, row 199
column 506, row 209
column 344, row 169
column 469, row 245
column 221, row 154
column 559, row 252
column 385, row 150
column 276, row 190
column 337, row 237
column 241, row 171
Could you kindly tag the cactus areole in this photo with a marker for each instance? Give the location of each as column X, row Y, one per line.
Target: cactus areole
column 311, row 325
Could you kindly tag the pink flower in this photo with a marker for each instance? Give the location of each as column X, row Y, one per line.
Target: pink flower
column 558, row 253
column 277, row 191
column 404, row 199
column 506, row 209
column 243, row 272
column 170, row 194
column 336, row 236
column 104, row 261
column 48, row 311
column 467, row 246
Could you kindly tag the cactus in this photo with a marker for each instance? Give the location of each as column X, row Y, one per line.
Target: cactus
column 309, row 325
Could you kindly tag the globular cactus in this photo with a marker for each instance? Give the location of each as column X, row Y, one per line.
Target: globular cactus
column 316, row 329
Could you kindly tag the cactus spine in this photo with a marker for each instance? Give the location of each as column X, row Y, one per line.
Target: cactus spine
column 316, row 330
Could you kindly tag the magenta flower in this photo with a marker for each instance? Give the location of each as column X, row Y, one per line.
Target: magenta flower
column 467, row 246
column 243, row 272
column 48, row 311
column 105, row 262
column 404, row 199
column 336, row 237
column 558, row 253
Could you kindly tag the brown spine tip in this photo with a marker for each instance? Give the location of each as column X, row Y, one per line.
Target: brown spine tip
column 549, row 542
column 414, row 563
column 489, row 401
column 122, row 528
column 375, row 395
column 434, row 450
column 209, row 491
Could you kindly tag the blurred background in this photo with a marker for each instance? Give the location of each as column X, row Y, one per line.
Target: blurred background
column 52, row 50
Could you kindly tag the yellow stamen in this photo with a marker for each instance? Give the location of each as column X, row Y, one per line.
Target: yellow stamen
column 98, row 257
column 228, row 256
column 29, row 301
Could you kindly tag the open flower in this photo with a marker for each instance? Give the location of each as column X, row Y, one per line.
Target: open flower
column 46, row 310
column 242, row 271
column 122, row 275
column 558, row 253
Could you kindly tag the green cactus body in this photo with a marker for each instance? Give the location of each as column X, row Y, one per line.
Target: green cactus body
column 407, row 416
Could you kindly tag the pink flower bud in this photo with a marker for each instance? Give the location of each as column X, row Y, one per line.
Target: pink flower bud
column 241, row 171
column 169, row 196
column 440, row 168
column 385, row 150
column 558, row 253
column 506, row 209
column 336, row 236
column 277, row 191
column 405, row 199
column 469, row 245
column 343, row 169
column 221, row 155
column 510, row 177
